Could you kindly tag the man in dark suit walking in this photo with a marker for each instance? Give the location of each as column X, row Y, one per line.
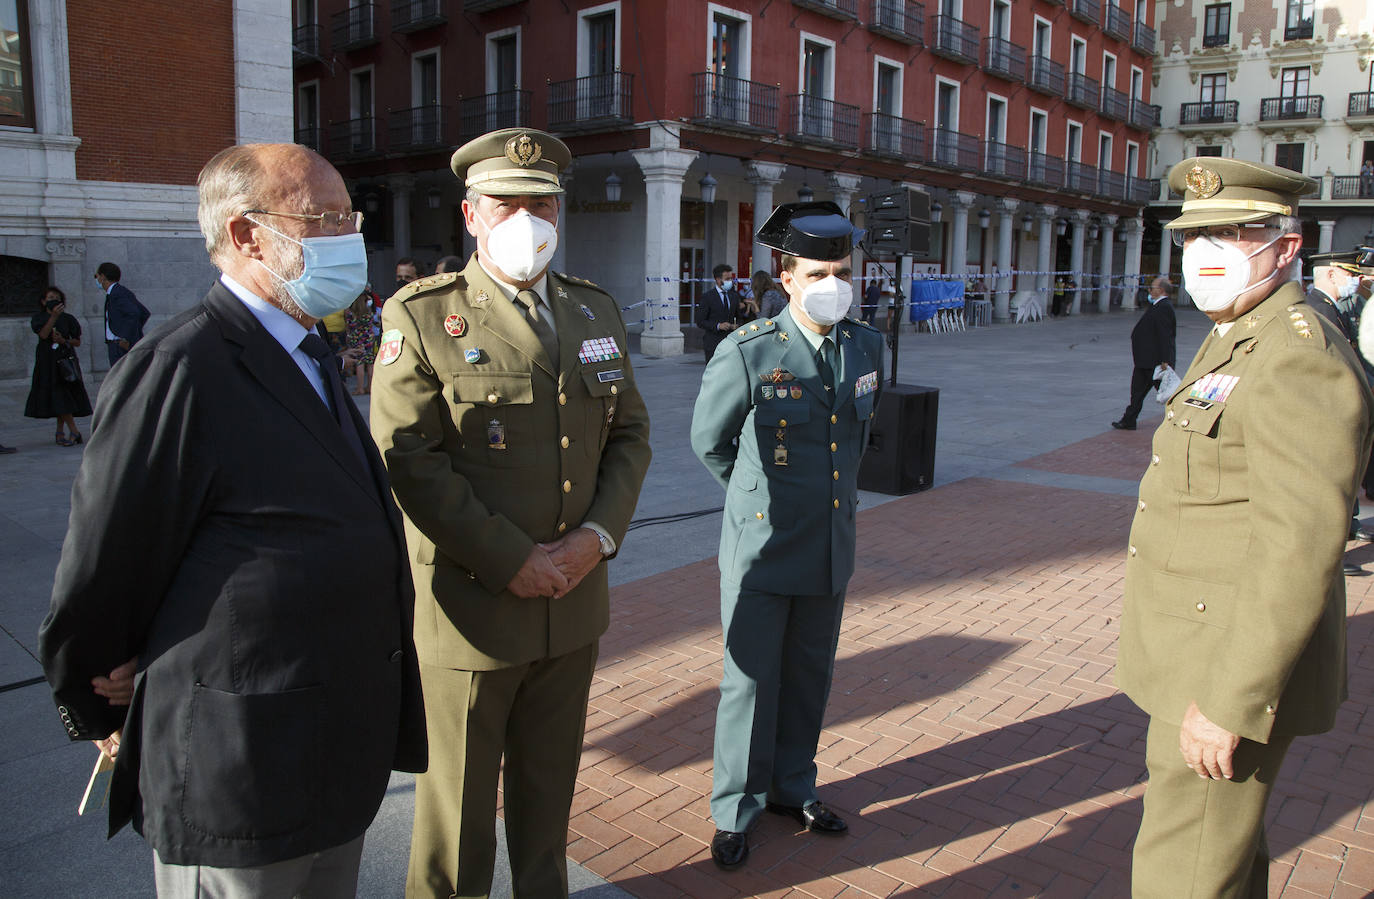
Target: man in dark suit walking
column 124, row 314
column 717, row 309
column 231, row 616
column 1152, row 348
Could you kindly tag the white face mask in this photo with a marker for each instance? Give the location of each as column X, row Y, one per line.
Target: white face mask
column 522, row 245
column 826, row 301
column 1347, row 290
column 1216, row 272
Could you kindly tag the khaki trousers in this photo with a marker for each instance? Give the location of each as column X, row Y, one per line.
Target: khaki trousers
column 1202, row 838
column 327, row 874
column 534, row 715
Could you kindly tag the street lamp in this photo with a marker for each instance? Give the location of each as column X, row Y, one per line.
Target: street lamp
column 806, row 194
column 984, row 217
column 1027, row 222
column 613, row 188
column 708, row 188
column 935, row 210
column 1060, row 227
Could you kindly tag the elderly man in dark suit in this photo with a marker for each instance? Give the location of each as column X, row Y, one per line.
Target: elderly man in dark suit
column 124, row 314
column 1152, row 347
column 718, row 309
column 231, row 615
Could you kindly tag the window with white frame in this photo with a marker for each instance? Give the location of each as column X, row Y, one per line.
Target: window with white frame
column 362, row 127
column 1078, row 55
column 728, row 65
column 598, row 62
column 887, row 105
column 815, row 112
column 426, row 118
column 997, row 162
column 946, row 143
column 308, row 114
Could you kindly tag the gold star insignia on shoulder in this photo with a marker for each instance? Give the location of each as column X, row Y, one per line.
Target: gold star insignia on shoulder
column 846, row 334
column 782, row 335
column 1295, row 315
column 742, row 332
column 769, row 322
column 562, row 294
column 753, row 327
column 1306, row 333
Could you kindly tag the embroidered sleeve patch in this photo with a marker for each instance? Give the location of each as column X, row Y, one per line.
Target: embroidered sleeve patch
column 390, row 349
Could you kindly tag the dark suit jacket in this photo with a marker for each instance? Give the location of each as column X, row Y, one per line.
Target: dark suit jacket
column 223, row 532
column 711, row 313
column 1153, row 337
column 125, row 313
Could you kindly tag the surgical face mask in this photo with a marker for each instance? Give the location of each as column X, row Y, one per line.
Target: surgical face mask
column 826, row 301
column 1347, row 290
column 333, row 272
column 522, row 245
column 1216, row 272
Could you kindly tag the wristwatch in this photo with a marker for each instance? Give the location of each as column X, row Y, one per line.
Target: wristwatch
column 606, row 546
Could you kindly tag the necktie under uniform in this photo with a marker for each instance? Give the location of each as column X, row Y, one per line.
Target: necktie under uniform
column 315, row 347
column 530, row 300
column 823, row 362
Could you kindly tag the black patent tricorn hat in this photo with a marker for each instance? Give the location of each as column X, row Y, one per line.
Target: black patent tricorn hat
column 817, row 230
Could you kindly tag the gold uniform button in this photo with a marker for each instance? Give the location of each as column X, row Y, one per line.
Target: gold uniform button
column 834, row 448
column 1184, row 422
column 1269, row 710
column 565, row 442
column 1169, row 415
column 1201, row 606
column 836, row 475
column 759, row 516
column 837, row 504
column 1154, row 460
column 562, row 526
column 615, row 389
column 782, row 422
column 562, row 399
column 567, row 486
column 491, row 397
column 1131, row 550
column 1141, row 505
column 833, row 419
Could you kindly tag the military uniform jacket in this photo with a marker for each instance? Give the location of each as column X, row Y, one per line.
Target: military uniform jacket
column 788, row 528
column 492, row 447
column 1234, row 593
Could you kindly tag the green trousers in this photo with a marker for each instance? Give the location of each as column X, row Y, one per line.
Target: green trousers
column 534, row 715
column 1202, row 838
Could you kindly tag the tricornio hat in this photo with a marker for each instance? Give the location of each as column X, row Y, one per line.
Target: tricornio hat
column 1359, row 261
column 816, row 230
column 512, row 162
column 1220, row 191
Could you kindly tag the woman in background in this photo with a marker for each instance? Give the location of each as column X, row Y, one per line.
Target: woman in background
column 57, row 390
column 766, row 294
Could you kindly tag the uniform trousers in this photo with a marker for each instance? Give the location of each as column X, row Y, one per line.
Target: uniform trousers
column 535, row 714
column 1143, row 380
column 779, row 656
column 1201, row 838
column 320, row 875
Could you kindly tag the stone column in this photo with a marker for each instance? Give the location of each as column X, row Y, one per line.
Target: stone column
column 1131, row 264
column 1079, row 219
column 1006, row 220
column 1044, row 259
column 960, row 201
column 401, row 187
column 1166, row 251
column 842, row 188
column 559, row 263
column 764, row 176
column 664, row 165
column 1104, row 292
column 1328, row 227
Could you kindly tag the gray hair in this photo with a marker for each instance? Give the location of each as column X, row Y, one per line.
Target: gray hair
column 228, row 184
column 1287, row 224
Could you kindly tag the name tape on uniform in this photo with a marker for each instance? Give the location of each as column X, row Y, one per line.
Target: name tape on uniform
column 599, row 349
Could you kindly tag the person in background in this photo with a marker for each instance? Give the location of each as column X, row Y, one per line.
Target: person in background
column 873, row 295
column 717, row 309
column 406, row 271
column 57, row 390
column 771, row 300
column 362, row 339
column 125, row 316
column 449, row 264
column 1153, row 347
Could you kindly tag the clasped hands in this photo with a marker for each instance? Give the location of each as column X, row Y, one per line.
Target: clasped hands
column 553, row 569
column 118, row 689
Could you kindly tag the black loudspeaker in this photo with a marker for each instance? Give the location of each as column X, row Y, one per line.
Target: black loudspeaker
column 898, row 222
column 898, row 238
column 901, row 444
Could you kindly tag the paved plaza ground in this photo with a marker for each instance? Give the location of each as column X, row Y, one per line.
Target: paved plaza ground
column 974, row 738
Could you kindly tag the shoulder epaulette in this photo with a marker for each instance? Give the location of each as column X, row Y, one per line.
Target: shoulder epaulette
column 753, row 329
column 861, row 323
column 427, row 283
column 1304, row 330
column 581, row 282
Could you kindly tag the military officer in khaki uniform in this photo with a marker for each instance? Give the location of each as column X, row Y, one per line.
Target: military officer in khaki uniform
column 516, row 441
column 1233, row 632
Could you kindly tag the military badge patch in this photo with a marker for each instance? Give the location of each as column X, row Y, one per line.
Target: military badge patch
column 496, row 435
column 586, row 310
column 600, row 349
column 472, row 355
column 767, row 391
column 390, row 349
column 455, row 325
column 866, row 384
column 796, row 392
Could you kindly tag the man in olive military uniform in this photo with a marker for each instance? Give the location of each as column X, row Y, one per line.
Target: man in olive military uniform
column 516, row 441
column 1233, row 631
column 781, row 421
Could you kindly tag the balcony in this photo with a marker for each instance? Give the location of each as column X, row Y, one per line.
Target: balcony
column 1360, row 106
column 816, row 120
column 1046, row 76
column 1143, row 39
column 1004, row 59
column 1298, row 31
column 905, row 22
column 1209, row 113
column 1216, row 38
column 1045, row 171
column 1089, row 11
column 1140, row 191
column 1144, row 116
column 1111, row 185
column 733, row 103
column 311, row 136
column 847, row 10
column 592, row 102
column 894, row 137
column 1117, row 23
column 1080, row 178
column 953, row 150
column 1349, row 187
column 955, row 39
column 490, row 112
column 1276, row 111
column 1004, row 161
column 416, row 15
column 487, row 5
column 1115, row 104
column 307, row 43
column 417, row 130
column 353, row 139
column 1083, row 91
column 355, row 27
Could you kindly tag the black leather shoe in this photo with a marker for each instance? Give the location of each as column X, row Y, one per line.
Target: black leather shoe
column 1362, row 534
column 729, row 849
column 813, row 816
column 1124, row 425
column 1352, row 570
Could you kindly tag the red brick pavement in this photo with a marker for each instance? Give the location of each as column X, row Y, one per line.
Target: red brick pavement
column 974, row 739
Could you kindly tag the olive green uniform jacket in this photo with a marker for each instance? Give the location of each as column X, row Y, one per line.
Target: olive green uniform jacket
column 491, row 448
column 1235, row 598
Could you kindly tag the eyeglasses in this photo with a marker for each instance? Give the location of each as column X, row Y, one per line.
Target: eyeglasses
column 1224, row 233
column 329, row 222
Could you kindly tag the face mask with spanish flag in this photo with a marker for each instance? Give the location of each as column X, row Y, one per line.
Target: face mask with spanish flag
column 1216, row 272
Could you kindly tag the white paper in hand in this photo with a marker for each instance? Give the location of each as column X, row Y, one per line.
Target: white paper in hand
column 97, row 794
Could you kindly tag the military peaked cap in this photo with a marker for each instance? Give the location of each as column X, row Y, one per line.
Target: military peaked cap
column 1221, row 191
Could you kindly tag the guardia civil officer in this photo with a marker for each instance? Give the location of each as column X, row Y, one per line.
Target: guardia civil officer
column 1233, row 632
column 781, row 421
column 506, row 409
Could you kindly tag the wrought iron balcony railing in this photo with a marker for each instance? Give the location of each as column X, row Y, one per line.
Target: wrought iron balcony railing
column 953, row 150
column 1360, row 104
column 1043, row 170
column 1089, row 11
column 1004, row 59
column 591, row 102
column 1046, row 76
column 417, row 15
column 724, row 102
column 307, row 44
column 894, row 137
column 1274, row 109
column 1117, row 22
column 491, row 112
column 902, row 21
column 1143, row 39
column 353, row 138
column 1209, row 112
column 816, row 120
column 1216, row 38
column 1115, row 104
column 1004, row 161
column 311, row 136
column 1144, row 116
column 1082, row 91
column 1139, row 190
column 355, row 27
column 1111, row 184
column 955, row 39
column 486, row 5
column 1080, row 178
column 418, row 129
column 1298, row 31
column 835, row 9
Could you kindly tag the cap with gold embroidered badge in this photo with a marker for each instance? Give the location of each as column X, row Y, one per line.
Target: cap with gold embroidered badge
column 512, row 162
column 1221, row 191
column 1358, row 262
